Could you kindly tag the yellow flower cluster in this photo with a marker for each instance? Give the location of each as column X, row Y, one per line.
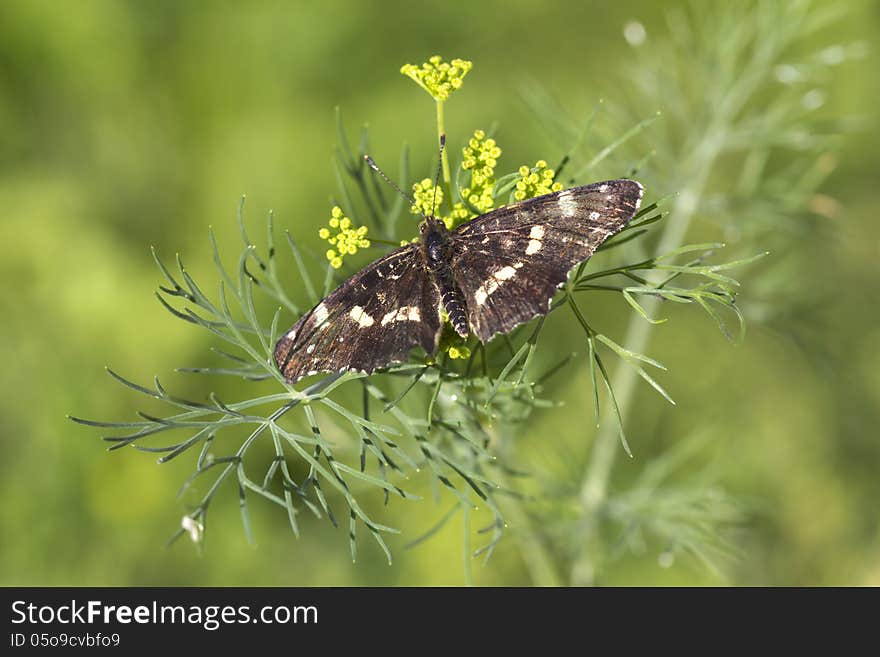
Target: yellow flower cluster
column 437, row 77
column 480, row 157
column 461, row 352
column 452, row 343
column 425, row 201
column 459, row 215
column 535, row 181
column 347, row 239
column 423, row 195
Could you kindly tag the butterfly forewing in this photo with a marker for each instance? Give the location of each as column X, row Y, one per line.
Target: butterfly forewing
column 370, row 321
column 509, row 262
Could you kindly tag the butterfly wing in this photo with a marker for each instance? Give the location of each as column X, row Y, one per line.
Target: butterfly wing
column 370, row 321
column 509, row 262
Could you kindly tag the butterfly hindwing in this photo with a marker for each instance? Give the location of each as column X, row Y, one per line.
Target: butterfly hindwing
column 370, row 321
column 509, row 262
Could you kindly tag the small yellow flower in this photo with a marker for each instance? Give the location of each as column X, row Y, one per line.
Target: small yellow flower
column 423, row 195
column 460, row 352
column 480, row 157
column 459, row 215
column 437, row 77
column 347, row 240
column 452, row 343
column 536, row 181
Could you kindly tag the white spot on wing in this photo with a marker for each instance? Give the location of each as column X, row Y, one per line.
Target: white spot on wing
column 603, row 188
column 567, row 205
column 362, row 318
column 404, row 314
column 536, row 233
column 321, row 313
column 594, row 215
column 486, row 289
column 533, row 247
column 310, row 348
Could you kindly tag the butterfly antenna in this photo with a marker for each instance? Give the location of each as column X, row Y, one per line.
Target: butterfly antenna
column 375, row 167
column 439, row 170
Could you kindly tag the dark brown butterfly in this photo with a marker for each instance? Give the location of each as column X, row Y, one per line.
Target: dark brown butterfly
column 489, row 275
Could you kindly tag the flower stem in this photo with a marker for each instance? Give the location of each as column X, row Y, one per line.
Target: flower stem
column 447, row 176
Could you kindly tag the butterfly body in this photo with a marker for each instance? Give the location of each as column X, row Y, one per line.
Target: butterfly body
column 489, row 274
column 437, row 251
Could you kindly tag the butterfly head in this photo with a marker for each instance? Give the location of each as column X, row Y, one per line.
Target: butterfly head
column 432, row 225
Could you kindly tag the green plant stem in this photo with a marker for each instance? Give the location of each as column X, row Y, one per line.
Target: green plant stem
column 444, row 158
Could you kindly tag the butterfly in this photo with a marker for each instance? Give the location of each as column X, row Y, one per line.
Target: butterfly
column 490, row 274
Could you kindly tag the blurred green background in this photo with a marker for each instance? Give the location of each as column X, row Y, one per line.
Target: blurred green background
column 130, row 124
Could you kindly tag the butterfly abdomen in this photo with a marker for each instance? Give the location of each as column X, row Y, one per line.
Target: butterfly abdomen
column 453, row 303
